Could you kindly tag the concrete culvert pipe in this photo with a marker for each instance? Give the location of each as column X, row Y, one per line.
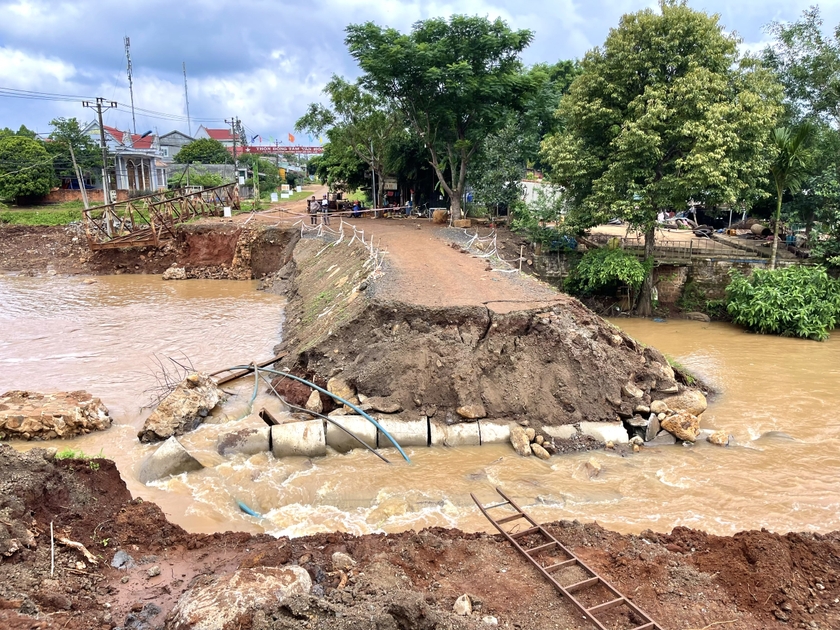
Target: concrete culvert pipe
column 358, row 426
column 405, row 432
column 299, row 439
column 494, row 431
column 464, row 434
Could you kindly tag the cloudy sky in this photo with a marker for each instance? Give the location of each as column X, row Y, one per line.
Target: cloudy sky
column 265, row 60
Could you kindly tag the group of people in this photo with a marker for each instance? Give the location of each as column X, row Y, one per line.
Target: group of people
column 322, row 207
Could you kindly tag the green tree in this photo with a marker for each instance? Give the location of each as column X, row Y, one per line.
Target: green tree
column 25, row 168
column 808, row 65
column 340, row 168
column 789, row 169
column 453, row 80
column 664, row 112
column 357, row 120
column 269, row 175
column 67, row 133
column 204, row 151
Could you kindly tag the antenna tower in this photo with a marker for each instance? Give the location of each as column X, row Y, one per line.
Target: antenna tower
column 187, row 98
column 130, row 81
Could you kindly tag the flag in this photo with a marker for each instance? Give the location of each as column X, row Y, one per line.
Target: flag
column 254, row 138
column 291, row 138
column 310, row 138
column 320, row 139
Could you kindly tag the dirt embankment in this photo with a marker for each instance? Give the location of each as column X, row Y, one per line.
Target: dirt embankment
column 684, row 580
column 212, row 249
column 557, row 364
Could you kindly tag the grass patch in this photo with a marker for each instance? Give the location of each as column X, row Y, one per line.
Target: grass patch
column 687, row 377
column 40, row 217
column 72, row 453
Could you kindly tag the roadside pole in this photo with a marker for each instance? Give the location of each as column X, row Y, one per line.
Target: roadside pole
column 79, row 177
column 109, row 208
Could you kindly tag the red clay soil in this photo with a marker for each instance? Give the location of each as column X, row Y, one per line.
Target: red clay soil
column 684, row 580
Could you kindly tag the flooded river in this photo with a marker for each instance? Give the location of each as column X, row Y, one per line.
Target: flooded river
column 779, row 399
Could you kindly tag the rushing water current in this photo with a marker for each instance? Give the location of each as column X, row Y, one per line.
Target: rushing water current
column 779, row 398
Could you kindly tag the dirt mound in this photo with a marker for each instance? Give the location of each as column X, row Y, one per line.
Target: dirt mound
column 552, row 365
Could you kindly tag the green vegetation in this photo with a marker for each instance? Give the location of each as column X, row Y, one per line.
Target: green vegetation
column 40, row 217
column 453, row 81
column 204, row 151
column 606, row 269
column 687, row 377
column 26, row 168
column 71, row 453
column 664, row 112
column 793, row 301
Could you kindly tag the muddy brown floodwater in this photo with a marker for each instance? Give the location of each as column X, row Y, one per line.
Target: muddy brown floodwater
column 778, row 399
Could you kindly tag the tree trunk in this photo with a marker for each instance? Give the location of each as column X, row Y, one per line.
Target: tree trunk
column 772, row 264
column 644, row 307
column 455, row 198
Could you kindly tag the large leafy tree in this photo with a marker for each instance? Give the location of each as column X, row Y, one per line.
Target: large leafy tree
column 204, row 151
column 357, row 120
column 25, row 168
column 663, row 113
column 66, row 133
column 807, row 62
column 453, row 80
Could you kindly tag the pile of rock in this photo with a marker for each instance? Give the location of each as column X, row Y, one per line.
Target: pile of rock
column 526, row 441
column 34, row 416
column 671, row 420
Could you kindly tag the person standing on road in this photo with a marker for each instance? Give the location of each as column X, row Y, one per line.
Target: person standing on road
column 314, row 209
column 325, row 211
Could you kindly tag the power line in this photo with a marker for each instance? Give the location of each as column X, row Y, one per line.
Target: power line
column 50, row 96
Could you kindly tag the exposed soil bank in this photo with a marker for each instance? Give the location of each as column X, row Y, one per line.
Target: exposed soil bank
column 686, row 579
column 206, row 250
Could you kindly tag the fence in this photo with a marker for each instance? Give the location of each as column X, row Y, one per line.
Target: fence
column 683, row 251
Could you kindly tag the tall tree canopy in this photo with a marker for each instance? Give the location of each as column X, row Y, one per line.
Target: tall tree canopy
column 808, row 65
column 204, row 151
column 453, row 80
column 25, row 168
column 665, row 112
column 357, row 120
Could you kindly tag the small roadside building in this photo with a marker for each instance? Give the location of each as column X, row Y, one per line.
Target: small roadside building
column 171, row 143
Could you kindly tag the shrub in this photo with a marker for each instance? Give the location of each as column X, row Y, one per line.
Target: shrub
column 604, row 268
column 793, row 302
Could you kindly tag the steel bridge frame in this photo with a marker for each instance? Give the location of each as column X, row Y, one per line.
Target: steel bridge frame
column 150, row 219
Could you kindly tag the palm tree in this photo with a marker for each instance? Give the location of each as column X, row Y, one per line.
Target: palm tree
column 789, row 169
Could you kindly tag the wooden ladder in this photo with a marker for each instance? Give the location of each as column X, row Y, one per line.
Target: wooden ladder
column 592, row 582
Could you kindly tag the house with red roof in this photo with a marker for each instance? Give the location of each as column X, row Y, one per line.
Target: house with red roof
column 135, row 161
column 222, row 135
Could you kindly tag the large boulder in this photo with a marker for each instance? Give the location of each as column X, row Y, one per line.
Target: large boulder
column 33, row 416
column 170, row 458
column 229, row 602
column 683, row 426
column 520, row 441
column 183, row 409
column 689, row 400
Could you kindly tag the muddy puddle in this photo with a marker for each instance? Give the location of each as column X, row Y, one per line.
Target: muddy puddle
column 779, row 400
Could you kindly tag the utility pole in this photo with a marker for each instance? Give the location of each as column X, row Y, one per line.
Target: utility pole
column 99, row 107
column 234, row 131
column 130, row 81
column 187, row 98
column 79, row 176
column 257, row 184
